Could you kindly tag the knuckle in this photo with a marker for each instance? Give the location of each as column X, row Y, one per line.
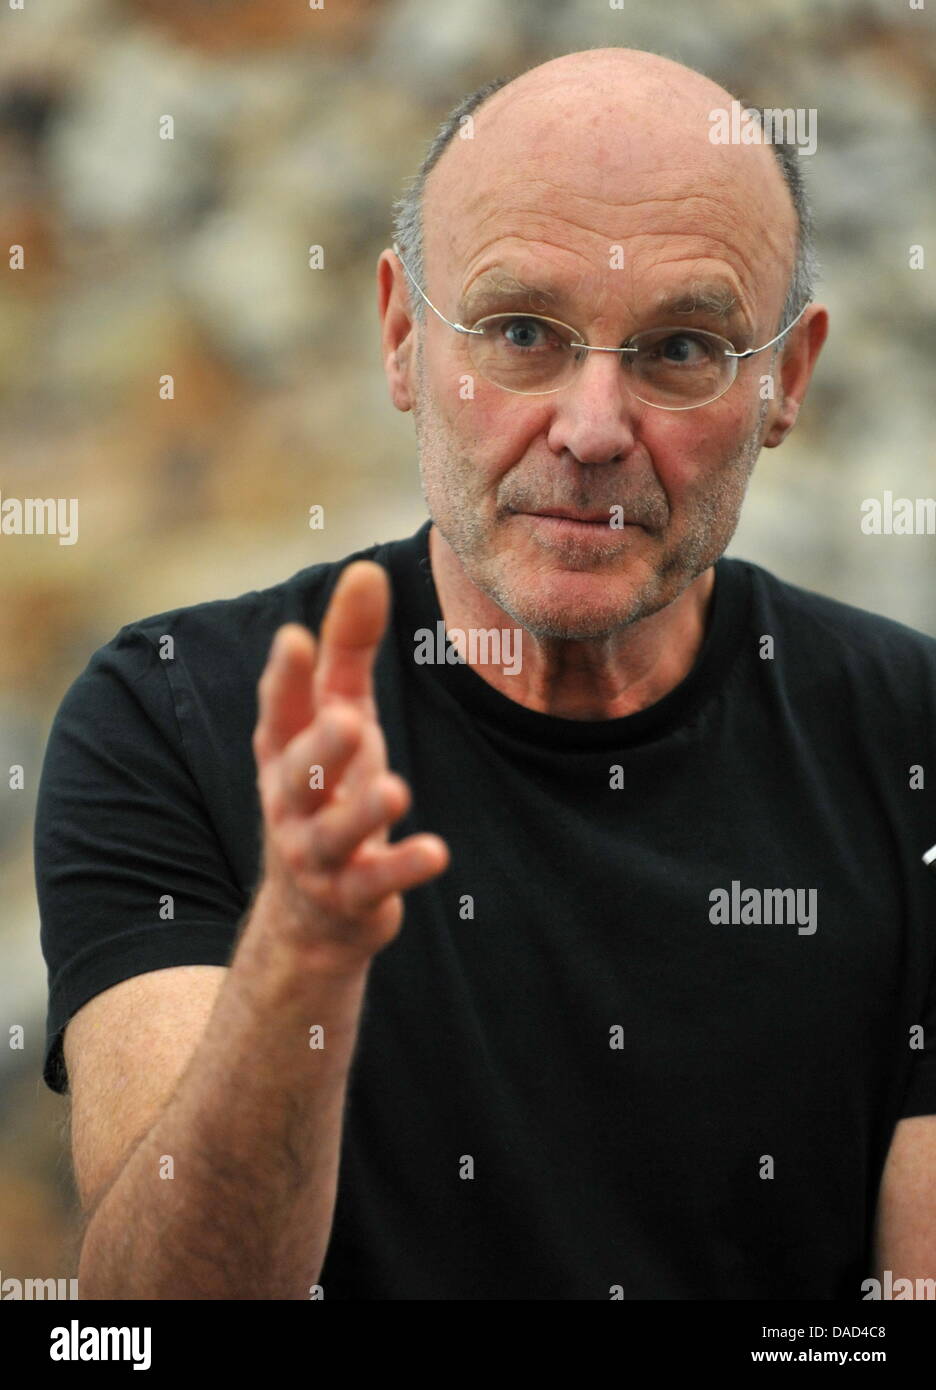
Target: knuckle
column 398, row 787
column 339, row 720
column 365, row 889
column 323, row 845
column 273, row 804
column 293, row 854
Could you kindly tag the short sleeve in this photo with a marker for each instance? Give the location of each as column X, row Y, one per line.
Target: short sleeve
column 131, row 875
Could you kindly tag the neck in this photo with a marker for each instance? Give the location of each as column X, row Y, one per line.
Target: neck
column 607, row 677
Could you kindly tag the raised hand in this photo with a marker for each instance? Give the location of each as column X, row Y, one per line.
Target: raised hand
column 331, row 881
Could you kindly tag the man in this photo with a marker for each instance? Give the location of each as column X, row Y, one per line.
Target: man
column 659, row 1021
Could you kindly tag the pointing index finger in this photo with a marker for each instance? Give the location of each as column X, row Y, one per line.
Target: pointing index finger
column 351, row 632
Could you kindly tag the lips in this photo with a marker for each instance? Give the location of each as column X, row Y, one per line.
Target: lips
column 565, row 514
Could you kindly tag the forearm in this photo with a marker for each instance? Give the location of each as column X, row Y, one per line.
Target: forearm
column 253, row 1132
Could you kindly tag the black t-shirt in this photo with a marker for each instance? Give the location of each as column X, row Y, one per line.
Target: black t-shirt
column 608, row 1054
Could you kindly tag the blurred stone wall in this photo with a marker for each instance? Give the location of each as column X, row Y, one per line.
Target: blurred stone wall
column 189, row 256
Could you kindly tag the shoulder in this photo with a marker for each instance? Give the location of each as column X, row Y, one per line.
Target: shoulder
column 227, row 640
column 842, row 670
column 250, row 615
column 191, row 670
column 833, row 631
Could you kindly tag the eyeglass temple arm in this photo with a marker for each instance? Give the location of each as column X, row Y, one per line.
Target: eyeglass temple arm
column 459, row 326
column 751, row 351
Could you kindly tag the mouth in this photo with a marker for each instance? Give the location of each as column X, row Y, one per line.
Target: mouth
column 566, row 514
column 564, row 522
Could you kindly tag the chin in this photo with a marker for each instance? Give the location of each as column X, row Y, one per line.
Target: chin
column 567, row 609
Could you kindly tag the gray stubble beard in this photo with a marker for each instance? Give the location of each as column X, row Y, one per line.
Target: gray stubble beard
column 713, row 522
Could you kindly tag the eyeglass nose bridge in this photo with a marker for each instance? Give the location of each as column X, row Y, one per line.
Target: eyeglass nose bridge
column 593, row 347
column 578, row 356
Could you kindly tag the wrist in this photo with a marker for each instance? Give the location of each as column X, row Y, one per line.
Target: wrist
column 288, row 954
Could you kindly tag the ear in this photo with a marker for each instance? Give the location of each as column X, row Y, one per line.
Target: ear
column 794, row 368
column 397, row 332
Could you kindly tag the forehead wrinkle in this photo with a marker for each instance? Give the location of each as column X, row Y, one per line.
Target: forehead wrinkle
column 703, row 294
column 698, row 297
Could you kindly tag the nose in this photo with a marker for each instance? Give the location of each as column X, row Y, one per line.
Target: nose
column 596, row 415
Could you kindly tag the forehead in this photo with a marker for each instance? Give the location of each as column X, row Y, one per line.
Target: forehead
column 712, row 295
column 573, row 178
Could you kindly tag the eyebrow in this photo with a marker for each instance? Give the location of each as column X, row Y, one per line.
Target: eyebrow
column 500, row 284
column 716, row 300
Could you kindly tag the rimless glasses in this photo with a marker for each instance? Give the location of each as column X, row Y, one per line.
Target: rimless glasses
column 672, row 368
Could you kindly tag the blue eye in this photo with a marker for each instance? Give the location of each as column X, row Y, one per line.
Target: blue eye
column 682, row 349
column 676, row 349
column 526, row 332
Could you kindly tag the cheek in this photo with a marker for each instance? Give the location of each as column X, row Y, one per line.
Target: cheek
column 496, row 430
column 686, row 450
column 681, row 452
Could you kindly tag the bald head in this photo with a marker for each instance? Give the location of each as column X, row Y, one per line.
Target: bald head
column 611, row 148
column 606, row 131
